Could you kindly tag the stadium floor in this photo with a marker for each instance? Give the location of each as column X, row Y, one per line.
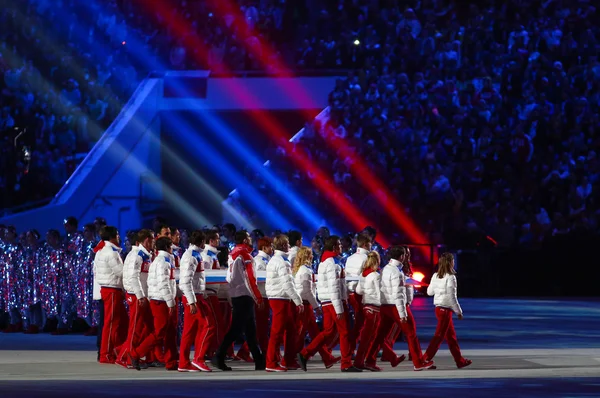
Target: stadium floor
column 519, row 348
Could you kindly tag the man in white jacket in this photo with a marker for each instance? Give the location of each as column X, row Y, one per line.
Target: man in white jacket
column 108, row 270
column 162, row 293
column 199, row 326
column 209, row 257
column 135, row 281
column 265, row 251
column 285, row 302
column 332, row 291
column 393, row 309
column 354, row 266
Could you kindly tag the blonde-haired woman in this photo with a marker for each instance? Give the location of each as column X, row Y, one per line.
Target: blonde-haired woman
column 443, row 289
column 369, row 287
column 304, row 279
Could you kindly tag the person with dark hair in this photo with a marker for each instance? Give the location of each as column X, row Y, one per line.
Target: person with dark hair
column 265, row 251
column 162, row 294
column 354, row 268
column 108, row 268
column 443, row 288
column 332, row 291
column 135, row 282
column 285, row 304
column 199, row 326
column 244, row 293
column 209, row 258
column 162, row 231
column 228, row 237
column 256, row 235
column 295, row 243
column 394, row 311
column 99, row 222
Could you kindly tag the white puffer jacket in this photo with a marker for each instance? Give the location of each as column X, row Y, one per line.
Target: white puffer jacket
column 260, row 261
column 280, row 282
column 444, row 291
column 209, row 257
column 292, row 254
column 393, row 290
column 192, row 277
column 306, row 285
column 135, row 271
column 354, row 265
column 161, row 279
column 370, row 288
column 108, row 266
column 331, row 284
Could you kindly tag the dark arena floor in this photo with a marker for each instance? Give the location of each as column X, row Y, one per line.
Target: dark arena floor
column 519, row 348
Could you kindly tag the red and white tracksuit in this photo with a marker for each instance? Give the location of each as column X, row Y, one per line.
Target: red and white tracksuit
column 369, row 289
column 446, row 303
column 108, row 272
column 283, row 299
column 209, row 257
column 262, row 312
column 135, row 281
column 307, row 323
column 162, row 292
column 393, row 308
column 199, row 329
column 354, row 265
column 331, row 287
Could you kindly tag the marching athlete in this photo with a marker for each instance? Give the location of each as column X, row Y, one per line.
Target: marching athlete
column 244, row 293
column 162, row 294
column 443, row 289
column 393, row 310
column 370, row 290
column 295, row 243
column 285, row 304
column 304, row 279
column 209, row 257
column 135, row 281
column 354, row 268
column 108, row 269
column 331, row 288
column 199, row 326
column 265, row 251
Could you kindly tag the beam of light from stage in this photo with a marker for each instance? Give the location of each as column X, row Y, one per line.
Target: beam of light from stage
column 196, row 144
column 363, row 173
column 118, row 152
column 229, row 138
column 198, row 49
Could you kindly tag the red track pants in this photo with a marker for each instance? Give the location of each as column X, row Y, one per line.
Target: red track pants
column 140, row 326
column 307, row 323
column 198, row 329
column 355, row 300
column 262, row 329
column 114, row 332
column 165, row 332
column 444, row 330
column 282, row 325
column 213, row 303
column 367, row 347
column 331, row 326
column 389, row 317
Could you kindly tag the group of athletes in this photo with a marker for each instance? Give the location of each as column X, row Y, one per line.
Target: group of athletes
column 156, row 276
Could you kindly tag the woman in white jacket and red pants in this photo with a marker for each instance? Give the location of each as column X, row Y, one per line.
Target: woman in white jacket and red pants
column 443, row 289
column 285, row 302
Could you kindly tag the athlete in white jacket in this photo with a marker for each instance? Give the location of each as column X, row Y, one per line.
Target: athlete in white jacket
column 295, row 238
column 162, row 292
column 285, row 303
column 443, row 288
column 135, row 281
column 370, row 291
column 331, row 288
column 393, row 310
column 209, row 257
column 354, row 268
column 199, row 324
column 108, row 271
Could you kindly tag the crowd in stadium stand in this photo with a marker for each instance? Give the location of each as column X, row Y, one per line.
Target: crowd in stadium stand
column 481, row 118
